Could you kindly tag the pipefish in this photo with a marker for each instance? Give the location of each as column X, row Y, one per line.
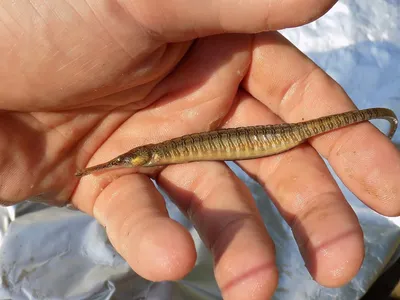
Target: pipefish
column 240, row 143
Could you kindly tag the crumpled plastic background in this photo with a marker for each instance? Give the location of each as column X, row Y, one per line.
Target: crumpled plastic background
column 56, row 253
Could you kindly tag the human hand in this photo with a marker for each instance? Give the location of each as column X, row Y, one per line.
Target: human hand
column 100, row 93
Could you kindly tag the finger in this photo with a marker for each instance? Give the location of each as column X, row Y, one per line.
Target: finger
column 223, row 212
column 324, row 225
column 181, row 20
column 293, row 87
column 137, row 224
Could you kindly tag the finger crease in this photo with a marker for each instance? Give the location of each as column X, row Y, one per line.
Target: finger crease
column 312, row 206
column 291, row 90
column 227, row 231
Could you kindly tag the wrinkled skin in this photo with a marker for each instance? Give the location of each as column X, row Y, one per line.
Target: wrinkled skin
column 83, row 81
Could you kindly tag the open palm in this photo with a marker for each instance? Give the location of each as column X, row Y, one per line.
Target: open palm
column 90, row 83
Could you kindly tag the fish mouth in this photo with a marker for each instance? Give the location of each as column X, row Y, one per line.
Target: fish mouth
column 90, row 170
column 108, row 165
column 130, row 159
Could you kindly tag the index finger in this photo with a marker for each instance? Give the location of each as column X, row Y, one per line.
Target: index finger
column 296, row 89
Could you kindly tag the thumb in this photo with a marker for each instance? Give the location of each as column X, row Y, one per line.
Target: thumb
column 177, row 20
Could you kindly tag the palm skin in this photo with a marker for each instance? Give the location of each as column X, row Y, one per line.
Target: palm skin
column 90, row 82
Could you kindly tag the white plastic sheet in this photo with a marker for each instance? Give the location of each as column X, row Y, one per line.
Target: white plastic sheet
column 53, row 253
